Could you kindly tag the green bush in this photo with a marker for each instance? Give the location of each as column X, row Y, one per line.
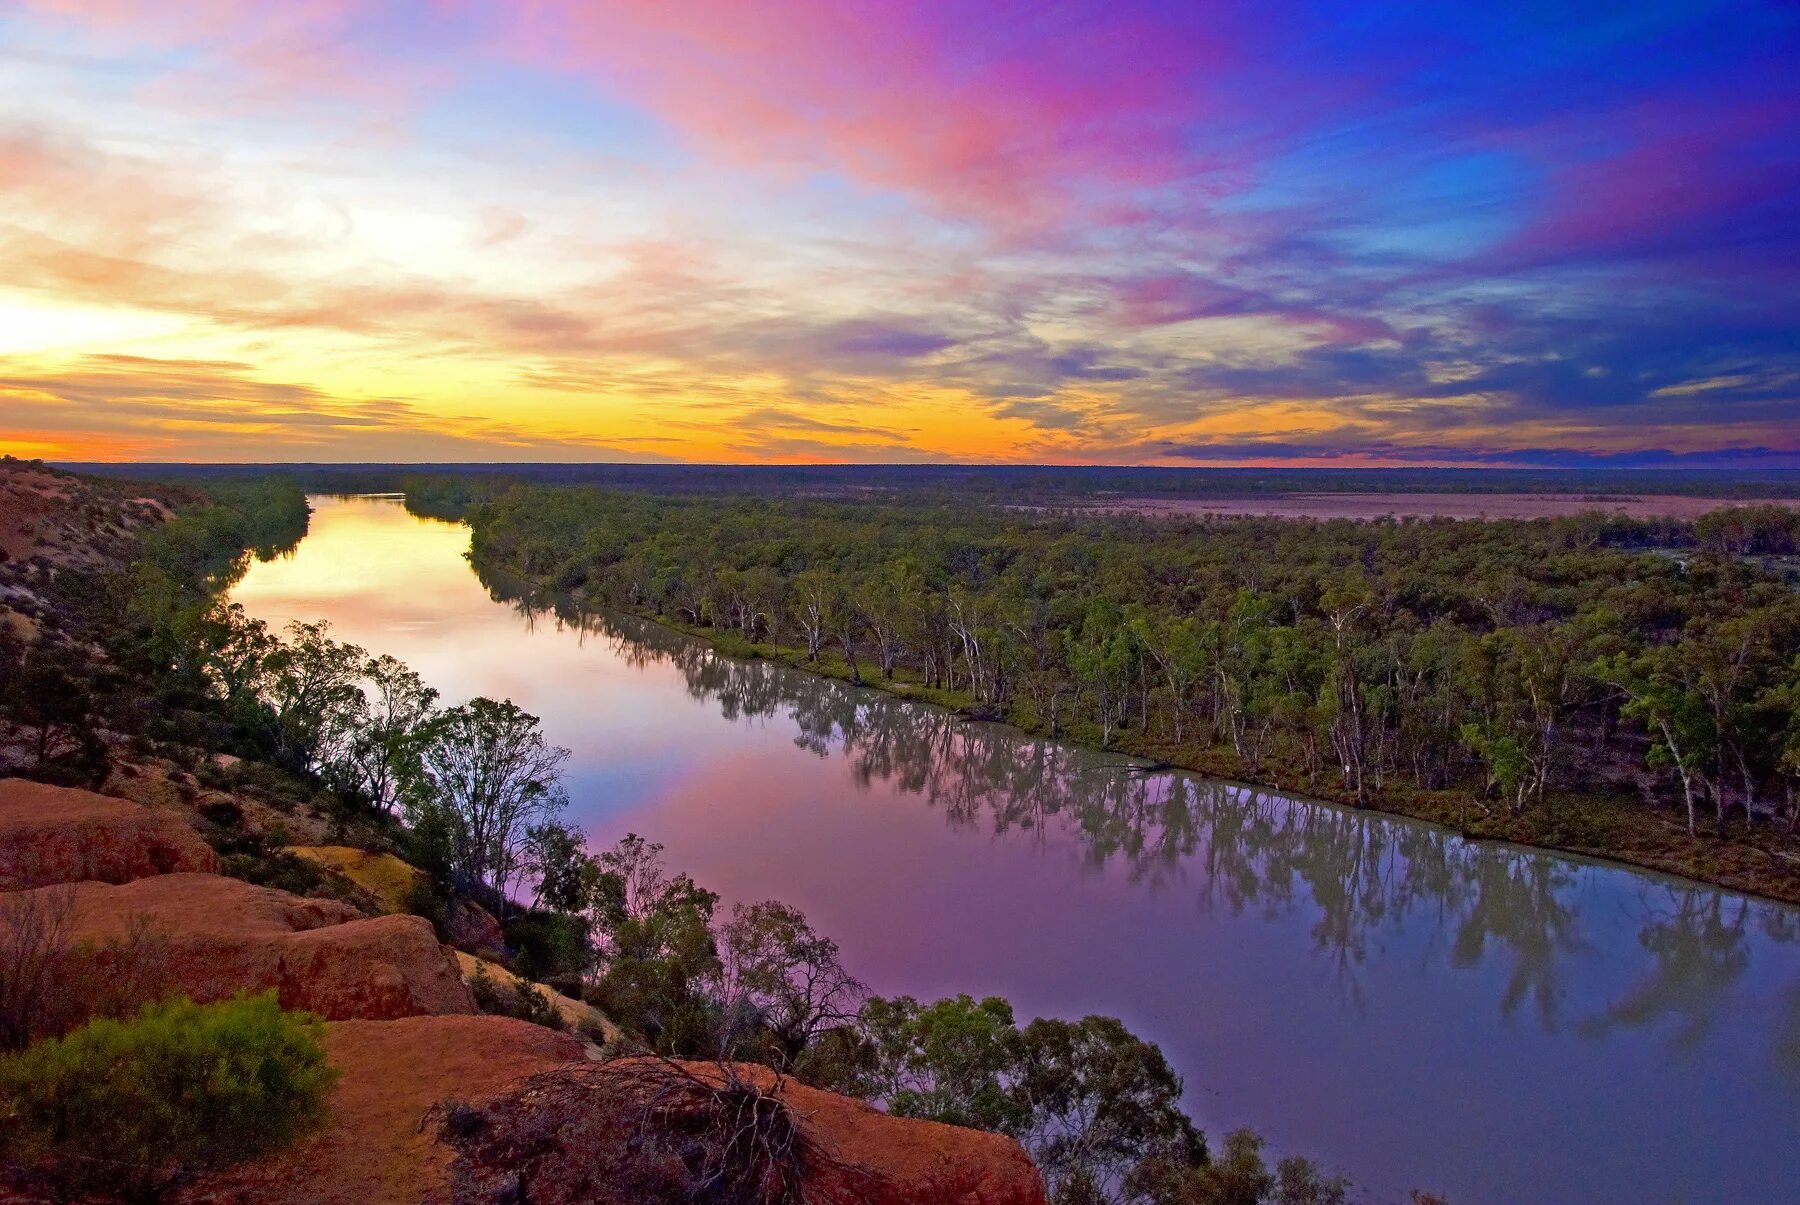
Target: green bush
column 548, row 945
column 520, row 1000
column 136, row 1107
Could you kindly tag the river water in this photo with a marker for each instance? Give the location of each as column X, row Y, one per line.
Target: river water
column 1413, row 1010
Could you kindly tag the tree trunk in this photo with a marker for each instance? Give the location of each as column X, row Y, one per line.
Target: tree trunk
column 1687, row 781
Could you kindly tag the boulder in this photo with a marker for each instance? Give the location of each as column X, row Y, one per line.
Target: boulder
column 374, row 1151
column 226, row 936
column 63, row 835
column 471, row 927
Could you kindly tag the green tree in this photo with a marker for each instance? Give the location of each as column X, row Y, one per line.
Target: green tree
column 785, row 979
column 1104, row 658
column 487, row 772
column 1781, row 702
column 311, row 687
column 654, row 931
column 50, row 695
column 1660, row 691
column 229, row 650
column 952, row 1061
column 557, row 860
column 1103, row 1103
column 384, row 749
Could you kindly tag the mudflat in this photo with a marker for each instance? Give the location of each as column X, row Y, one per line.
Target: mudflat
column 1432, row 505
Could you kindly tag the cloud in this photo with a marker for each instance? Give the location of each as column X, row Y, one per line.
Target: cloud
column 136, row 408
column 1710, row 181
column 873, row 339
column 1083, row 230
column 1167, row 299
column 816, row 451
column 1003, row 112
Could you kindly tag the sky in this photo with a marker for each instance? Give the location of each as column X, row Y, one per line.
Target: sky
column 1071, row 231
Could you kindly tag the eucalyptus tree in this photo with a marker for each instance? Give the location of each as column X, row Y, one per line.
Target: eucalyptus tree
column 384, row 750
column 311, row 687
column 486, row 772
column 1661, row 692
column 777, row 973
column 809, row 606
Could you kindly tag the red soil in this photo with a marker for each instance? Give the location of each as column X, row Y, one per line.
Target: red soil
column 910, row 1162
column 373, row 1151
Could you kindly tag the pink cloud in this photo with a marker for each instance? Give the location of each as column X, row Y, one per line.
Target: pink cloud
column 1011, row 113
column 996, row 111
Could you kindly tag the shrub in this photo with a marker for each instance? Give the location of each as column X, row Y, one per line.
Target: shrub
column 534, row 1005
column 50, row 983
column 135, row 1107
column 518, row 999
column 35, row 928
column 548, row 945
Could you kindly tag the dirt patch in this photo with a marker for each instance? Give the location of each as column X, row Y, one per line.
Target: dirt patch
column 578, row 1015
column 374, row 1151
column 270, row 809
column 1430, row 506
column 67, row 520
column 384, row 876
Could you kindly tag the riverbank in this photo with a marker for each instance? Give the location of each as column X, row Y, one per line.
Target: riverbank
column 1764, row 863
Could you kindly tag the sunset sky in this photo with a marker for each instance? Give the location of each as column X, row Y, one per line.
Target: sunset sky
column 788, row 230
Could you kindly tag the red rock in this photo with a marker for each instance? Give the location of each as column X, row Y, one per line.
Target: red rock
column 227, row 936
column 62, row 835
column 471, row 927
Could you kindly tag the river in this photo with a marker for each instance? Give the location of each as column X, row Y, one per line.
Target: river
column 1490, row 1023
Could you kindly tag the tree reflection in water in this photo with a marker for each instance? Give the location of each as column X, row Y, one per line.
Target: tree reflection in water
column 1244, row 848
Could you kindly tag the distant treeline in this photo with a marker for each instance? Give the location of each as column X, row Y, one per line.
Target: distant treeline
column 1521, row 664
column 1009, row 482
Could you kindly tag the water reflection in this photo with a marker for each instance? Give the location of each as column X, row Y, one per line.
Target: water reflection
column 1244, row 849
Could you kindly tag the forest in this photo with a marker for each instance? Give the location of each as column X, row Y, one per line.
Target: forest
column 1595, row 682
